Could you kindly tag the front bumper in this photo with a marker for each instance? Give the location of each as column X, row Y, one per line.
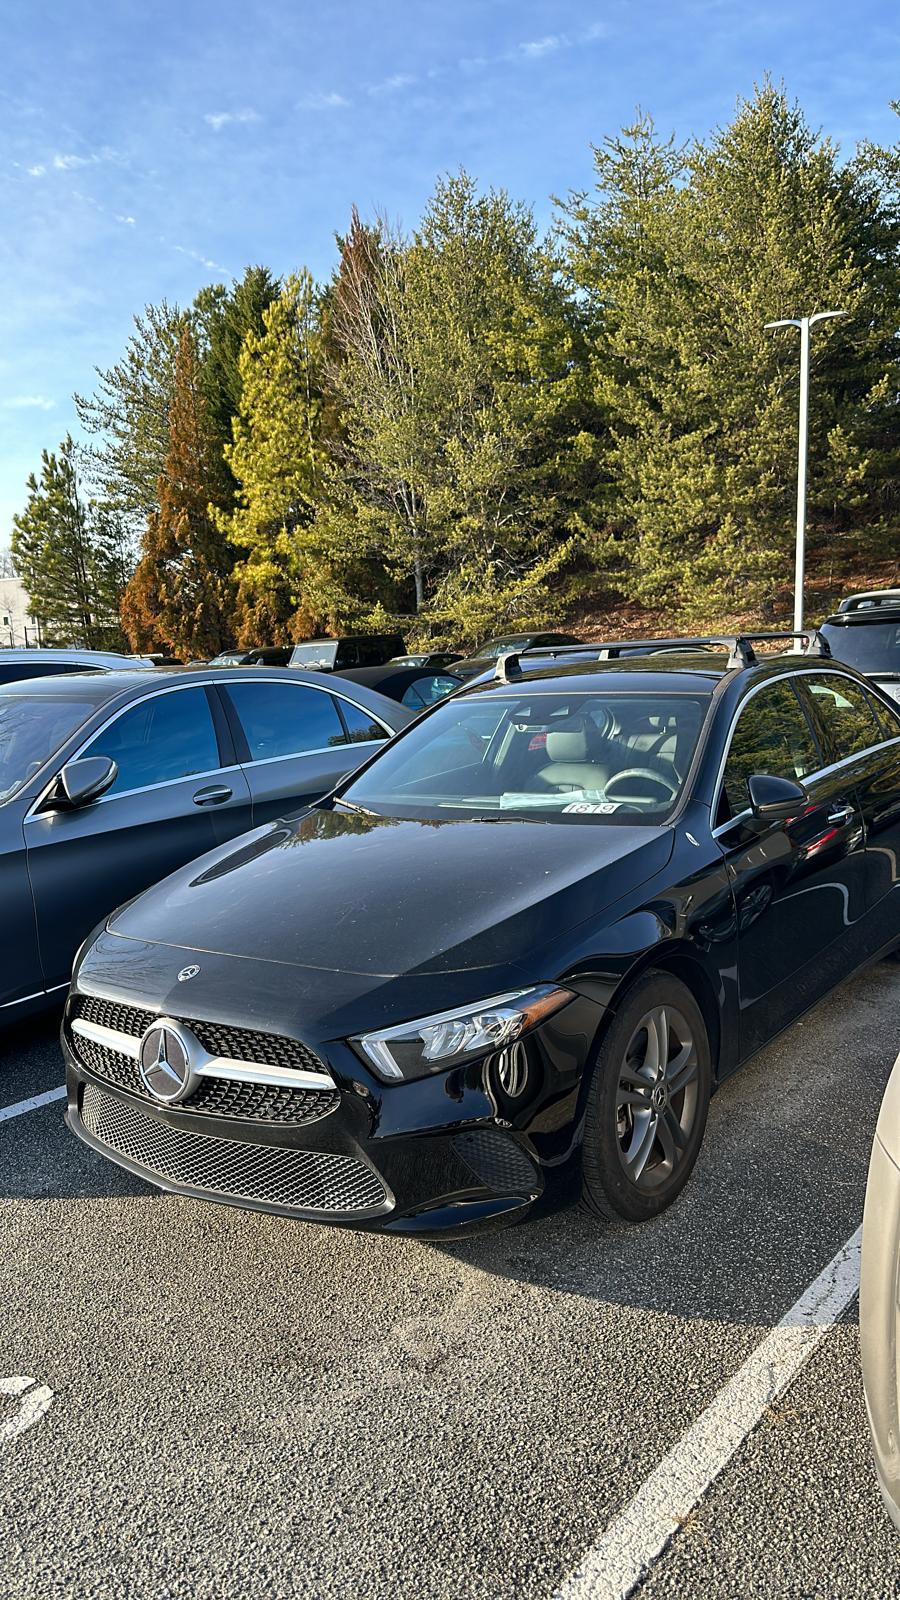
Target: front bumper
column 434, row 1157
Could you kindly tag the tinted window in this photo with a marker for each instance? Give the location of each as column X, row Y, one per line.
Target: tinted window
column 285, row 719
column 361, row 728
column 844, row 715
column 38, row 669
column 569, row 757
column 167, row 737
column 871, row 646
column 771, row 736
column 32, row 727
column 424, row 691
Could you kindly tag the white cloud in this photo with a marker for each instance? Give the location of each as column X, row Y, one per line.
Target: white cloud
column 400, row 80
column 195, row 255
column 543, row 47
column 223, row 119
column 69, row 163
column 331, row 101
column 28, row 402
column 129, row 221
column 37, row 171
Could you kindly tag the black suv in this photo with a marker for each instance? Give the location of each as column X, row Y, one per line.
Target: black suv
column 865, row 631
column 503, row 966
column 353, row 650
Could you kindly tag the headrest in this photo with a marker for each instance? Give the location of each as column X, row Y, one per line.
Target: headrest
column 568, row 744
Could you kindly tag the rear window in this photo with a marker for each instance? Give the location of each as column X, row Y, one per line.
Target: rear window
column 314, row 655
column 871, row 646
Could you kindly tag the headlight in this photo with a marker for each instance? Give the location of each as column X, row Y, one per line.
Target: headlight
column 434, row 1043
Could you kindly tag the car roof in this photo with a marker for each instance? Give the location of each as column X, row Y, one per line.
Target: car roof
column 99, row 658
column 390, row 673
column 688, row 672
column 884, row 611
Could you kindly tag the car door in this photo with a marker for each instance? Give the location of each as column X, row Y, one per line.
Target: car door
column 178, row 793
column 800, row 885
column 863, row 735
column 296, row 740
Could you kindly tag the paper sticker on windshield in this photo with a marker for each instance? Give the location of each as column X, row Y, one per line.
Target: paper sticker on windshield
column 602, row 808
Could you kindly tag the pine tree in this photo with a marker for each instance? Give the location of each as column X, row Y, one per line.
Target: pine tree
column 684, row 256
column 277, row 460
column 128, row 417
column 71, row 557
column 181, row 594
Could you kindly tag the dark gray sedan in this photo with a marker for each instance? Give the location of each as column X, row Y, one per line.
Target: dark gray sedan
column 110, row 781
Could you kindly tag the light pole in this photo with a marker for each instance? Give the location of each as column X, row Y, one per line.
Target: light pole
column 804, row 324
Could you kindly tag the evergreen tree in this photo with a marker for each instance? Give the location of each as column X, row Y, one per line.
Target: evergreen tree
column 684, row 256
column 128, row 417
column 276, row 458
column 181, row 594
column 224, row 319
column 71, row 557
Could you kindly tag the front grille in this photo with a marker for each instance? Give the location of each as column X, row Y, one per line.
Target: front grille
column 496, row 1160
column 296, row 1180
column 242, row 1044
column 278, row 1104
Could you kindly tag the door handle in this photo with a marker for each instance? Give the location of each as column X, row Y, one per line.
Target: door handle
column 841, row 815
column 216, row 795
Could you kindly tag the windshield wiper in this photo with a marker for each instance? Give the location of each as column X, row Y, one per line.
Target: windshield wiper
column 351, row 805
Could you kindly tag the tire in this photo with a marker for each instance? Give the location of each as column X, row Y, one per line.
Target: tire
column 643, row 1126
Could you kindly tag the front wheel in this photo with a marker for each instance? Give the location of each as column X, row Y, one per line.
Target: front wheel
column 647, row 1102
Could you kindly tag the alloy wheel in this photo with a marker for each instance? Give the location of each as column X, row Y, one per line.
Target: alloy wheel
column 657, row 1097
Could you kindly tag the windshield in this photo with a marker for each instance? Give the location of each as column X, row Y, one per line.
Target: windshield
column 314, row 655
column 32, row 727
column 228, row 658
column 870, row 646
column 560, row 756
column 496, row 647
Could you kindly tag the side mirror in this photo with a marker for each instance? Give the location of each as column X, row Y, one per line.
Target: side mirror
column 775, row 799
column 80, row 782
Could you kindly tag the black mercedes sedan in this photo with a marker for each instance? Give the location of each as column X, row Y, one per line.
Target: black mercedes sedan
column 504, row 966
column 108, row 781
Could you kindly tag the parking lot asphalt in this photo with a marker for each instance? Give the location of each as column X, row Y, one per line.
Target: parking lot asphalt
column 245, row 1406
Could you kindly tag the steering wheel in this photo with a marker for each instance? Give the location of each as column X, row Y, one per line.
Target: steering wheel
column 647, row 775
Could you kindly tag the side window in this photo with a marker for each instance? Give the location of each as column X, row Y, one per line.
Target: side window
column 843, row 714
column 771, row 736
column 361, row 728
column 167, row 737
column 285, row 719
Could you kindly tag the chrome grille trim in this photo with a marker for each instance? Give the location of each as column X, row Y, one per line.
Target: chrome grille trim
column 206, row 1065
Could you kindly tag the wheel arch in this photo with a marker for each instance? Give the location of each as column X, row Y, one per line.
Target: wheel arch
column 682, row 963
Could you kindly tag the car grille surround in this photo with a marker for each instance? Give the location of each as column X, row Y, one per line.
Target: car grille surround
column 277, row 1104
column 308, row 1181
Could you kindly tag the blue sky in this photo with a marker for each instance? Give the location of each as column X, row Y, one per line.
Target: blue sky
column 149, row 148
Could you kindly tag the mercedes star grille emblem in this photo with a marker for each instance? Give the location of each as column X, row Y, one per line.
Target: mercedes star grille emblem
column 187, row 973
column 165, row 1061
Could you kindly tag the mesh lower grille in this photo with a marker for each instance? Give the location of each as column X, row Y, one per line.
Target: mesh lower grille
column 215, row 1097
column 496, row 1160
column 297, row 1180
column 243, row 1044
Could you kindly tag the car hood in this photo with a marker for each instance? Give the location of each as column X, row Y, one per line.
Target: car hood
column 384, row 897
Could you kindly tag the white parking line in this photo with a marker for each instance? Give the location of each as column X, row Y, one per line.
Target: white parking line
column 34, row 1104
column 37, row 1399
column 622, row 1557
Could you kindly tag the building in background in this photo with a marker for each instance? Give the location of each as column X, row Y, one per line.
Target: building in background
column 17, row 627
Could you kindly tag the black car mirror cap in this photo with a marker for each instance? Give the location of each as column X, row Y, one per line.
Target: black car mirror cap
column 775, row 799
column 81, row 781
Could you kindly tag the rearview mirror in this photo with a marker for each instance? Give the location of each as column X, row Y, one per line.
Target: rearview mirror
column 80, row 782
column 775, row 799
